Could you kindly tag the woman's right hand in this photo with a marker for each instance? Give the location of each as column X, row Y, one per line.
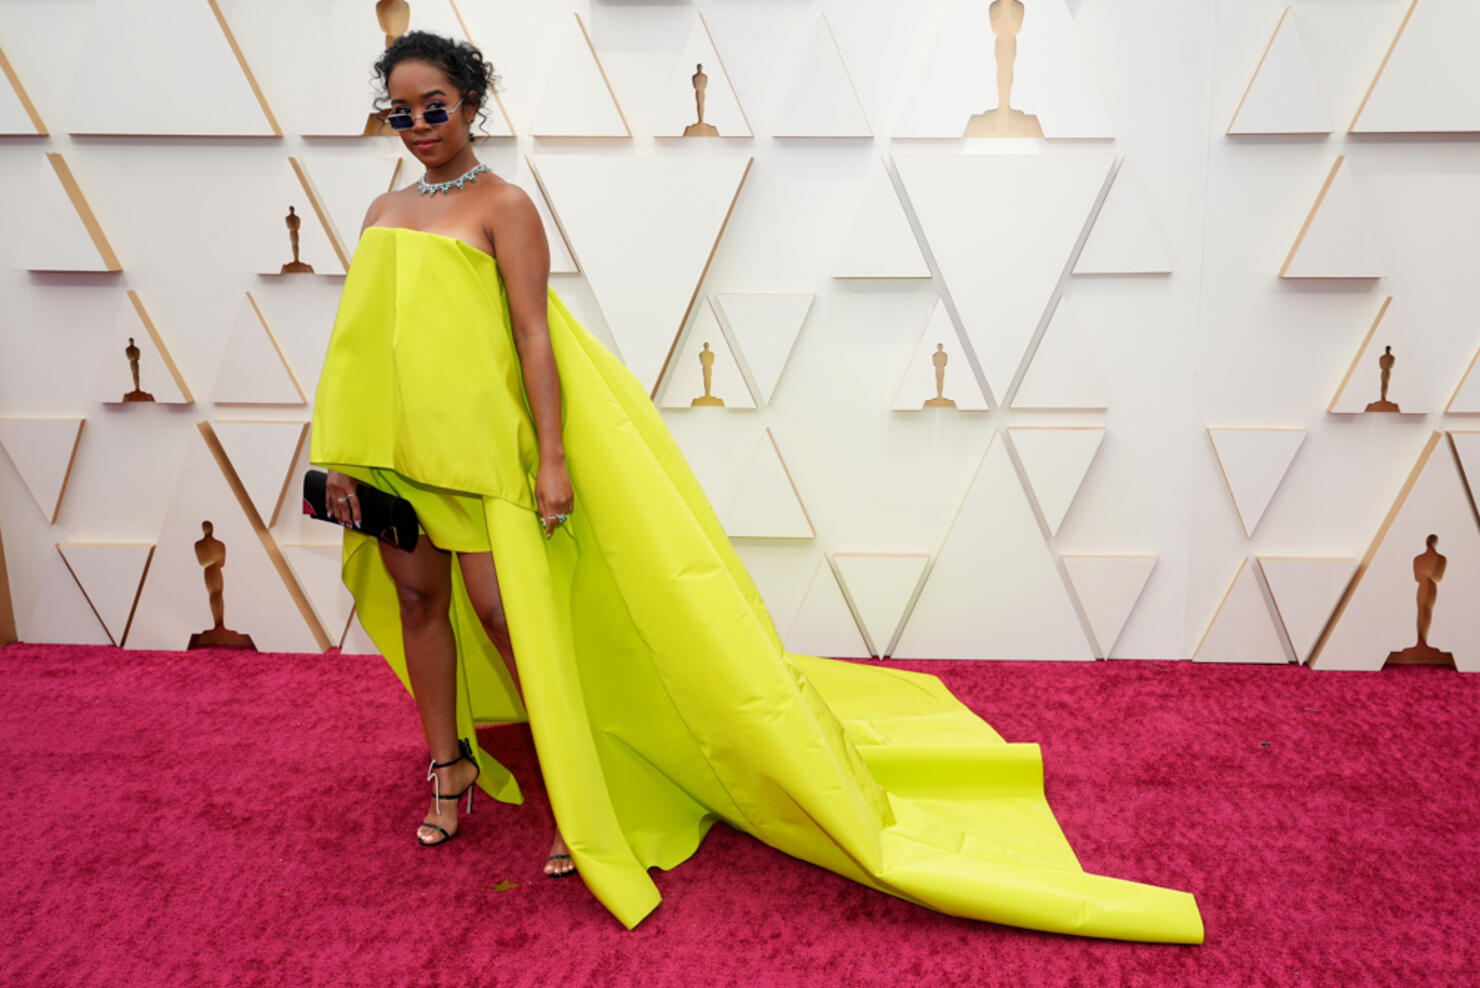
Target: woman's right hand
column 340, row 499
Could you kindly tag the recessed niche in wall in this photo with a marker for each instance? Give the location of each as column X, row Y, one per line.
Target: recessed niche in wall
column 682, row 203
column 705, row 372
column 699, row 100
column 1389, row 372
column 1336, row 240
column 43, row 450
column 767, row 504
column 976, row 212
column 820, row 100
column 881, row 588
column 881, row 243
column 1253, row 461
column 994, row 591
column 1382, row 610
column 1241, row 629
column 1283, row 96
column 260, row 596
column 288, row 235
column 579, row 100
column 765, row 327
column 1032, row 51
column 938, row 374
column 1056, row 460
column 1108, row 588
column 110, row 575
column 141, row 368
column 1124, row 239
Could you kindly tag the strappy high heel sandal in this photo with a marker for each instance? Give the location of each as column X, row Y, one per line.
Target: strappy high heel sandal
column 466, row 748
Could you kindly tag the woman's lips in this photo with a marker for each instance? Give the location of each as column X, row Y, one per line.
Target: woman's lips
column 424, row 145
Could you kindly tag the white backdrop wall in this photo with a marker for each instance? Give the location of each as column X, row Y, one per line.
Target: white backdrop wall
column 1138, row 235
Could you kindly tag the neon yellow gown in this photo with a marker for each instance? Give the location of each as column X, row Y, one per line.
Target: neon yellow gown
column 659, row 695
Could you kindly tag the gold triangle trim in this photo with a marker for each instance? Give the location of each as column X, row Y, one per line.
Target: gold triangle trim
column 1257, row 69
column 502, row 109
column 84, row 211
column 1357, row 357
column 164, row 351
column 1311, row 216
column 319, row 210
column 1383, row 67
column 241, row 60
column 138, row 589
column 1224, row 600
column 269, row 544
column 554, row 215
column 1377, row 540
column 278, row 348
column 25, row 98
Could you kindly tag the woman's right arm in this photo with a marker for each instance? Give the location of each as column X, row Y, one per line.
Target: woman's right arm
column 340, row 489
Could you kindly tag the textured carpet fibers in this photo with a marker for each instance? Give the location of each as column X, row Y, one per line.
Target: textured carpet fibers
column 228, row 818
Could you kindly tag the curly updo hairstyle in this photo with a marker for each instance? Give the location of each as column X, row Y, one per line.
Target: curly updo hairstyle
column 462, row 62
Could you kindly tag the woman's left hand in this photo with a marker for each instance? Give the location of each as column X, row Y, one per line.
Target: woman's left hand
column 552, row 493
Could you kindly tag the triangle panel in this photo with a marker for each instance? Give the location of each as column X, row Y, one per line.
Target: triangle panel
column 1062, row 373
column 994, row 591
column 700, row 69
column 56, row 227
column 110, row 576
column 881, row 242
column 821, row 100
column 975, row 211
column 263, row 455
column 1305, row 592
column 1241, row 630
column 1124, row 239
column 43, row 450
column 562, row 261
column 343, row 186
column 1337, row 239
column 1056, row 461
column 1283, row 96
column 1108, row 588
column 767, row 504
column 765, row 327
column 317, row 569
column 159, row 377
column 255, row 371
column 1253, row 463
column 881, row 588
column 684, row 386
column 824, row 625
column 1393, row 342
column 578, row 100
column 18, row 114
column 939, row 349
column 1429, row 83
column 682, row 203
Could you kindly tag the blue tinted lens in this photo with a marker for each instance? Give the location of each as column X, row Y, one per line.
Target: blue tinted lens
column 400, row 120
column 435, row 115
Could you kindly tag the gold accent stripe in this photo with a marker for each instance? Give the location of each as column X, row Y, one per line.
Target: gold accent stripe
column 23, row 96
column 1383, row 67
column 1311, row 216
column 269, row 544
column 1357, row 359
column 272, row 338
column 164, row 351
column 319, row 211
column 84, row 211
column 1377, row 540
column 246, row 69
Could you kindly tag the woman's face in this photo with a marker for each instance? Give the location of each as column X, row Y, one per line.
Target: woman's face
column 417, row 87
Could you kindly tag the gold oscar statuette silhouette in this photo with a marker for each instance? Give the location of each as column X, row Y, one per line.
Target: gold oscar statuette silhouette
column 939, row 358
column 1385, row 362
column 132, row 353
column 1428, row 570
column 394, row 17
column 295, row 266
column 1004, row 121
column 210, row 552
column 706, row 359
column 700, row 129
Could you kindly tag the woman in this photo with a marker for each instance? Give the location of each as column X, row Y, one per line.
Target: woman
column 623, row 627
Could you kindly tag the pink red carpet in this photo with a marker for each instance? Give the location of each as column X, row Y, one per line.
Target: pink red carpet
column 225, row 818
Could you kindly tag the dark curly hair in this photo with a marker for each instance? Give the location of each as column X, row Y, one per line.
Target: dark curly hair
column 461, row 61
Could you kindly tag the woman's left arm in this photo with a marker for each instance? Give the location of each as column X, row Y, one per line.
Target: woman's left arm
column 524, row 258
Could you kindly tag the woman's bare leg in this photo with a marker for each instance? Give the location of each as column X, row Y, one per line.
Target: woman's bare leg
column 481, row 579
column 423, row 581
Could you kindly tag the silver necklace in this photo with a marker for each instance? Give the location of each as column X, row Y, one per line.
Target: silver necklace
column 432, row 188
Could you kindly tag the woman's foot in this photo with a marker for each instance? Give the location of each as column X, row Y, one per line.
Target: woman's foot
column 559, row 863
column 454, row 778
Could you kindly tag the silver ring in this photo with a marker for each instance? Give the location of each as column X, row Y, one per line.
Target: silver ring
column 343, row 499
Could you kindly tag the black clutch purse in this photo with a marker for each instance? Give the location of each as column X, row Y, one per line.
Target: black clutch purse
column 387, row 517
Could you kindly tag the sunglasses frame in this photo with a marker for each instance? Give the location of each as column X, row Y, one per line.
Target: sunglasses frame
column 446, row 111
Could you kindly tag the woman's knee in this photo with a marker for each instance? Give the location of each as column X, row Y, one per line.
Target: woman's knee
column 420, row 607
column 496, row 624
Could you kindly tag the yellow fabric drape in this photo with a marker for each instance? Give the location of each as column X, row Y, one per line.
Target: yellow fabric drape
column 659, row 695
